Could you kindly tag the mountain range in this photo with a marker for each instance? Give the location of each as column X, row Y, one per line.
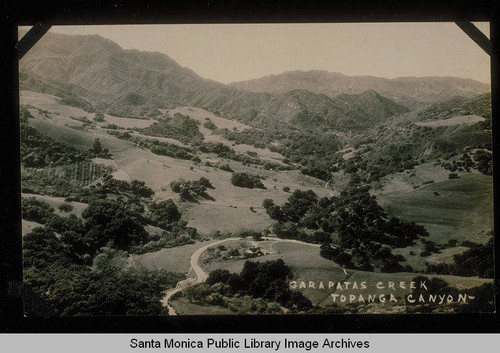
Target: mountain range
column 98, row 74
column 409, row 91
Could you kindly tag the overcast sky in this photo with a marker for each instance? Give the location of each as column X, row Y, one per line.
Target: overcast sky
column 235, row 52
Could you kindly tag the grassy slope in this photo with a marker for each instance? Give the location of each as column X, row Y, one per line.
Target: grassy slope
column 463, row 210
column 55, row 202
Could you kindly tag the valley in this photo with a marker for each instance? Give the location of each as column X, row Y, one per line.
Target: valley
column 169, row 178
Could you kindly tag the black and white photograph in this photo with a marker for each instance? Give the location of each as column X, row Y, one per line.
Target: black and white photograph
column 257, row 169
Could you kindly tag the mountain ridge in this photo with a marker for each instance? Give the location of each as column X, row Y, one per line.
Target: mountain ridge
column 407, row 90
column 133, row 83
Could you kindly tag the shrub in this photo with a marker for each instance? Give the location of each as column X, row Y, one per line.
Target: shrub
column 246, row 180
column 36, row 210
column 99, row 117
column 66, row 207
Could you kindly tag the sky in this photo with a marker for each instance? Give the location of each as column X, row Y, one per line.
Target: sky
column 237, row 52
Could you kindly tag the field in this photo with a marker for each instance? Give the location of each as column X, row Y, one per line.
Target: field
column 408, row 181
column 461, row 210
column 55, row 202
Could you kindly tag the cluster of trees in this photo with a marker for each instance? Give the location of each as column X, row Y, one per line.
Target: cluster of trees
column 462, row 164
column 98, row 151
column 370, row 164
column 124, row 135
column 171, row 150
column 86, row 121
column 295, row 145
column 79, row 265
column 354, row 230
column 267, row 281
column 110, row 186
column 158, row 147
column 192, row 190
column 253, row 137
column 314, row 151
column 35, row 210
column 401, row 147
column 103, row 222
column 208, row 124
column 74, row 285
column 179, row 127
column 484, row 162
column 225, row 151
column 99, row 117
column 477, row 261
column 175, row 232
column 246, row 180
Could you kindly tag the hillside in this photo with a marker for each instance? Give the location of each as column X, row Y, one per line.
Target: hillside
column 409, row 91
column 97, row 75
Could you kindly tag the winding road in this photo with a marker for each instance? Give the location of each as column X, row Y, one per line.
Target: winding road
column 201, row 276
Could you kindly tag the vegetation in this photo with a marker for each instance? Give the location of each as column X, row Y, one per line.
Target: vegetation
column 477, row 261
column 80, row 264
column 179, row 127
column 54, row 270
column 208, row 124
column 193, row 190
column 98, row 151
column 35, row 210
column 483, row 297
column 224, row 151
column 66, row 207
column 99, row 117
column 245, row 180
column 82, row 269
column 39, row 150
column 352, row 228
column 259, row 288
column 78, row 102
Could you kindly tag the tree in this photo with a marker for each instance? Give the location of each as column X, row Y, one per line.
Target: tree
column 165, row 213
column 267, row 203
column 246, row 180
column 110, row 221
column 36, row 210
column 66, row 207
column 96, row 147
column 139, row 188
column 99, row 117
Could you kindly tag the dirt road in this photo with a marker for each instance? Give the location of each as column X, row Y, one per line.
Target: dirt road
column 201, row 276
